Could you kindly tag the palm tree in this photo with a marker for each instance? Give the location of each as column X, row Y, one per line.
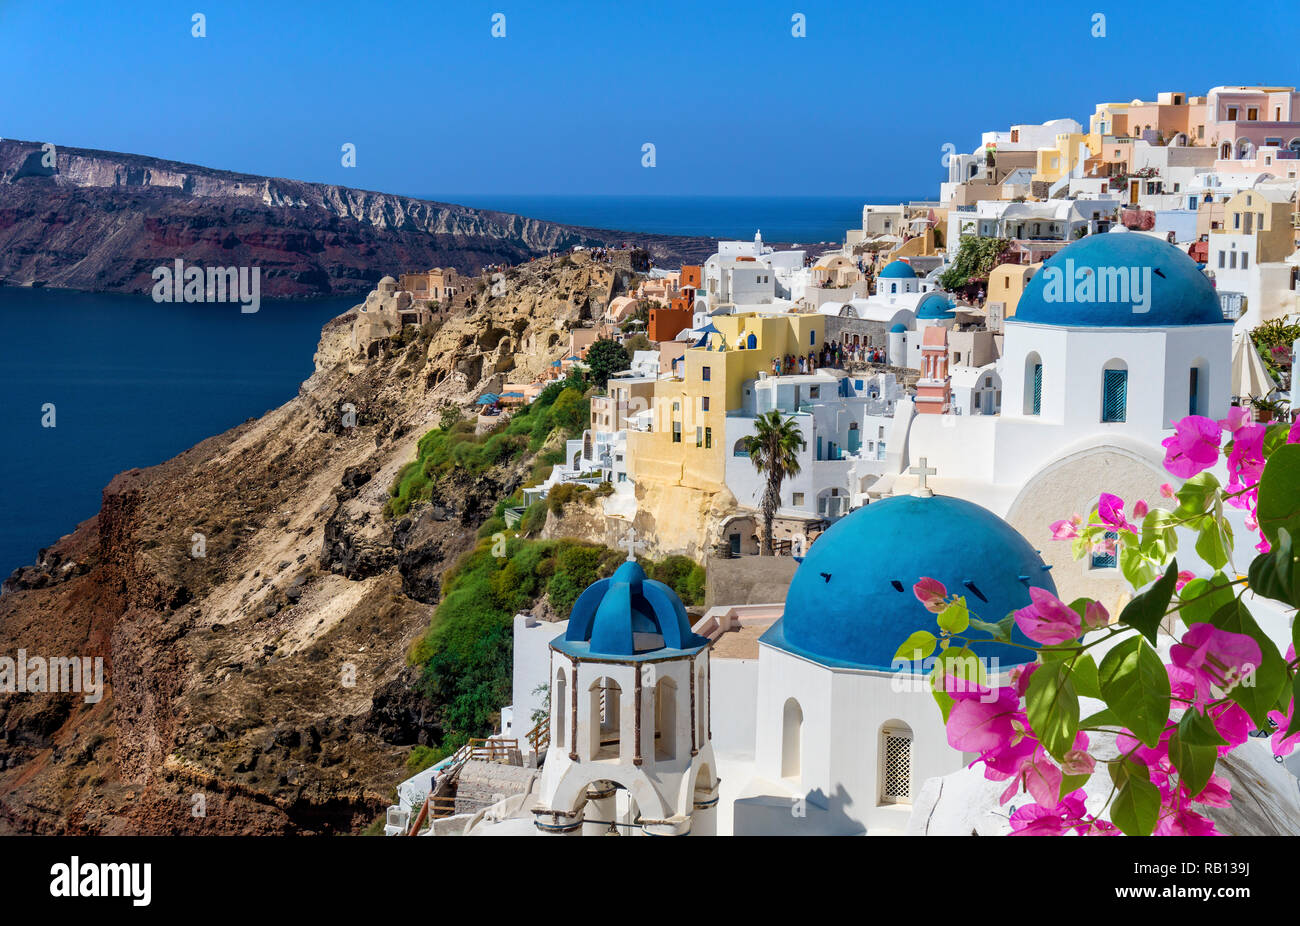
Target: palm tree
column 774, row 450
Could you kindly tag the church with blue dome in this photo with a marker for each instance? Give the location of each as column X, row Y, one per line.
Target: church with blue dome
column 851, row 603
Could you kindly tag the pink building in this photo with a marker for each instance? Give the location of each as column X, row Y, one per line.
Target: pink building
column 1240, row 120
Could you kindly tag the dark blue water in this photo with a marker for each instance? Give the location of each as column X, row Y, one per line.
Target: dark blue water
column 805, row 219
column 133, row 383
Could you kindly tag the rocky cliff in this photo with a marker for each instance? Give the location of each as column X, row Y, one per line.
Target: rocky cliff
column 253, row 606
column 102, row 221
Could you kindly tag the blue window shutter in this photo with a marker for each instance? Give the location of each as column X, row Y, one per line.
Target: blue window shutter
column 1107, row 560
column 1114, row 395
column 1038, row 389
column 1193, row 388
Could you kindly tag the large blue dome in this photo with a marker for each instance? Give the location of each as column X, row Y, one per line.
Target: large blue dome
column 1174, row 290
column 898, row 270
column 628, row 616
column 936, row 305
column 851, row 604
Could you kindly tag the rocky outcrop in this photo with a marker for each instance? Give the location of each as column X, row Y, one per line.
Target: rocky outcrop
column 253, row 606
column 102, row 221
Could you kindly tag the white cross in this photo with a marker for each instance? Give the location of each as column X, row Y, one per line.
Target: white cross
column 921, row 472
column 632, row 543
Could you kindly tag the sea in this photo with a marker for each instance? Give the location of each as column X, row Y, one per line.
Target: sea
column 127, row 382
column 132, row 382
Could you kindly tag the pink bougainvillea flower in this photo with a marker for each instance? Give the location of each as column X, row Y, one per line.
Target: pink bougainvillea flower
column 1185, row 822
column 1193, row 447
column 1214, row 657
column 931, row 593
column 1229, row 718
column 1048, row 620
column 1095, row 615
column 1039, row 776
column 1100, row 828
column 1110, row 508
column 1051, row 818
column 1246, row 464
column 1167, row 491
column 1140, row 510
column 1238, row 417
column 1068, row 529
column 1184, row 576
column 1282, row 744
column 989, row 723
column 1293, row 436
column 1019, row 676
column 1077, row 761
column 1216, row 793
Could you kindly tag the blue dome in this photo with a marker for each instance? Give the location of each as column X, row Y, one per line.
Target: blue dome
column 851, row 603
column 628, row 616
column 898, row 270
column 1173, row 290
column 936, row 305
column 898, row 326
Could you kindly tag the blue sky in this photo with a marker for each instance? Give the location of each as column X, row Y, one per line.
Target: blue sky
column 733, row 103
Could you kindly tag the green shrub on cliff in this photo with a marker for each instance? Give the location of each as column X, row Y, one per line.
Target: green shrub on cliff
column 454, row 445
column 466, row 652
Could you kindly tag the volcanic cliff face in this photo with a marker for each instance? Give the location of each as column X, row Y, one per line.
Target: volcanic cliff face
column 100, row 221
column 262, row 686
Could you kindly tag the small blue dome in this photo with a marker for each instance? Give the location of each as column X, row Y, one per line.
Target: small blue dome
column 851, row 603
column 1173, row 291
column 628, row 616
column 898, row 327
column 898, row 270
column 936, row 305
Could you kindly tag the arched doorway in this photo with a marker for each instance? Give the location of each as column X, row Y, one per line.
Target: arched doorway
column 559, row 702
column 605, row 741
column 792, row 740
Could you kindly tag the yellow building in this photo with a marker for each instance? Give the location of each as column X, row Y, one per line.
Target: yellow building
column 1007, row 283
column 1057, row 161
column 685, row 444
column 1264, row 213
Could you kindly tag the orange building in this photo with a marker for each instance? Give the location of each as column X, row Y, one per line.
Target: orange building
column 665, row 324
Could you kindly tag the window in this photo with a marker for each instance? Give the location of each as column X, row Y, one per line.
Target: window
column 699, row 437
column 1245, row 260
column 704, row 404
column 797, row 499
column 814, row 392
column 1114, row 392
column 812, row 338
column 677, row 432
column 896, row 764
column 1222, row 258
column 1232, row 114
column 1107, row 558
column 1252, row 114
column 1193, row 389
column 1033, row 385
column 706, row 373
column 708, row 438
